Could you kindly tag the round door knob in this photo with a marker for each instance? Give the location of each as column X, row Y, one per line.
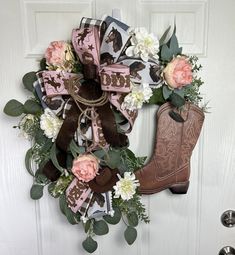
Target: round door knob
column 228, row 250
column 228, row 218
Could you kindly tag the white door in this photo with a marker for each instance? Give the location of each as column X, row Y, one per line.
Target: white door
column 180, row 224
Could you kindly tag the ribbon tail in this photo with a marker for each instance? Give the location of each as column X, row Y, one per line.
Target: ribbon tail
column 68, row 128
column 109, row 127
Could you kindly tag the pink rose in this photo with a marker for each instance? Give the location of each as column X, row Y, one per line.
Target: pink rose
column 59, row 55
column 178, row 73
column 85, row 167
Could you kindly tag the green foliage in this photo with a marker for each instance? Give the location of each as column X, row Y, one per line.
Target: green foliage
column 170, row 49
column 41, row 149
column 133, row 219
column 113, row 158
column 87, row 226
column 28, row 80
column 57, row 188
column 62, row 203
column 177, row 100
column 28, row 161
column 89, row 245
column 36, row 191
column 32, row 107
column 75, row 149
column 13, row 108
column 115, row 219
column 192, row 93
column 132, row 205
column 129, row 162
column 53, row 157
column 166, row 92
column 130, row 235
column 43, row 64
column 157, row 97
column 100, row 227
column 73, row 218
column 40, row 178
column 164, row 36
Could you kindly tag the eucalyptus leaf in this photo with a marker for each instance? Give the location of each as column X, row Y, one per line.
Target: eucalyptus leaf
column 69, row 161
column 100, row 227
column 71, row 216
column 115, row 218
column 32, row 107
column 166, row 54
column 51, row 188
column 13, row 108
column 130, row 235
column 74, row 148
column 28, row 161
column 43, row 64
column 39, row 137
column 113, row 159
column 166, row 92
column 99, row 153
column 133, row 219
column 179, row 92
column 62, row 203
column 164, row 36
column 89, row 245
column 177, row 100
column 53, row 157
column 176, row 116
column 28, row 80
column 87, row 226
column 36, row 191
column 174, row 46
column 40, row 178
column 157, row 97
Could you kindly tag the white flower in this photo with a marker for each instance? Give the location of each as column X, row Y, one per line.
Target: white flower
column 143, row 45
column 25, row 126
column 50, row 124
column 140, row 94
column 126, row 187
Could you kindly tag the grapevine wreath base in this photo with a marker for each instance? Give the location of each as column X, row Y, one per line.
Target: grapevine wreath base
column 85, row 99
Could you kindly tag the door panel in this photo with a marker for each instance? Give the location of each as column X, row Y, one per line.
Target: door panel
column 180, row 224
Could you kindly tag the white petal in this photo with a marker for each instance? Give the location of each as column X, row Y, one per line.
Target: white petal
column 130, row 51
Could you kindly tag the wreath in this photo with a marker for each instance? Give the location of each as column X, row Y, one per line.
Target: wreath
column 85, row 99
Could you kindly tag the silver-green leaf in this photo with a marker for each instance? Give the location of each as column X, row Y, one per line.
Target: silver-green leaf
column 130, row 235
column 32, row 107
column 115, row 218
column 100, row 227
column 89, row 245
column 36, row 191
column 13, row 108
column 28, row 80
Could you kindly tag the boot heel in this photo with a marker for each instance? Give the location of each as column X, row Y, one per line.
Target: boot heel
column 179, row 188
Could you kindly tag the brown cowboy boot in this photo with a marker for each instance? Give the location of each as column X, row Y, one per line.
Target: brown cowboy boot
column 169, row 166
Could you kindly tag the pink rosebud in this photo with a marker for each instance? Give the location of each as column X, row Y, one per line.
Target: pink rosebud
column 85, row 167
column 178, row 73
column 59, row 55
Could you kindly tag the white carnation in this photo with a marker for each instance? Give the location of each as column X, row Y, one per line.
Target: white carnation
column 126, row 187
column 140, row 94
column 143, row 45
column 50, row 124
